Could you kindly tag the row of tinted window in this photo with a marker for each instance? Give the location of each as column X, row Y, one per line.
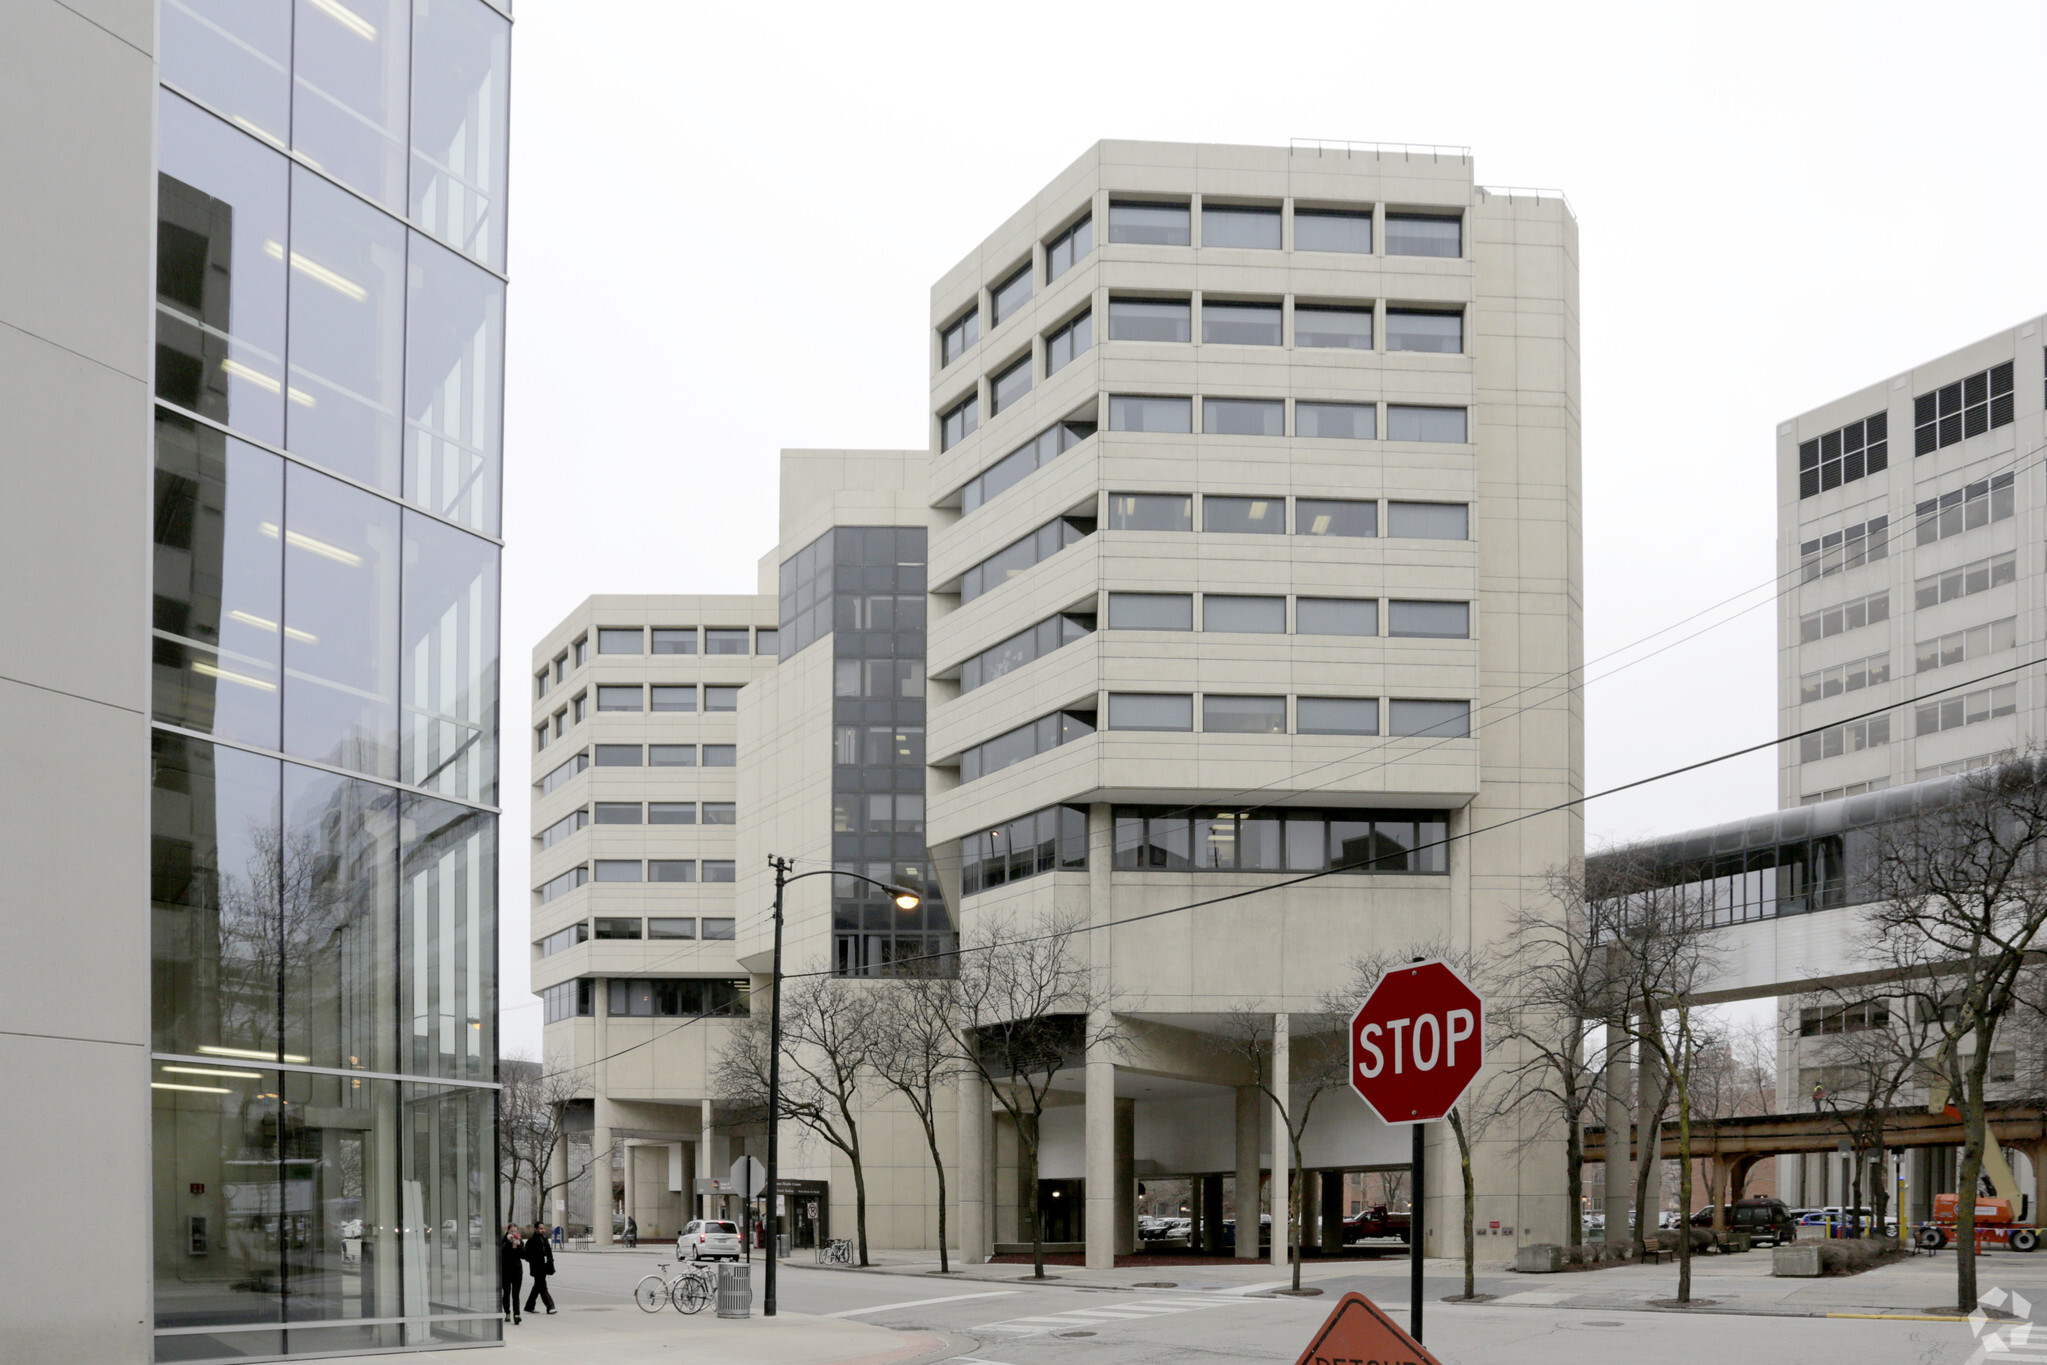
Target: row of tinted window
column 1026, row 646
column 578, row 707
column 1183, row 840
column 1848, row 548
column 1267, row 715
column 1026, row 459
column 295, row 313
column 1262, row 322
column 1258, row 615
column 665, row 813
column 1843, row 456
column 665, row 755
column 580, row 651
column 1049, row 840
column 1267, row 417
column 665, row 697
column 1042, row 735
column 1968, row 407
column 1965, row 509
column 1023, row 554
column 660, row 870
column 1239, row 515
column 684, row 640
column 675, row 997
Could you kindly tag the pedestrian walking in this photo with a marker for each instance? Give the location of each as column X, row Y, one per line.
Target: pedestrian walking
column 539, row 1264
column 632, row 1231
column 511, row 1260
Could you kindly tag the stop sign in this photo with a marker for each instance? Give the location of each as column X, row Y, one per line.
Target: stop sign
column 1417, row 1042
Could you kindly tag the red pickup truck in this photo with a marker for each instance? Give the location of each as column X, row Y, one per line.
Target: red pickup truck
column 1374, row 1221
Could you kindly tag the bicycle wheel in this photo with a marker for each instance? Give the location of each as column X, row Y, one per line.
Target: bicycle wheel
column 692, row 1295
column 651, row 1293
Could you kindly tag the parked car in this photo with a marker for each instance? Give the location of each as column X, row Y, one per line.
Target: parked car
column 1375, row 1220
column 708, row 1239
column 1765, row 1220
column 1229, row 1237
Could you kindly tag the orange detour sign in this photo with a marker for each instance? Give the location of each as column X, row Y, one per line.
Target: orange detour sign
column 1357, row 1333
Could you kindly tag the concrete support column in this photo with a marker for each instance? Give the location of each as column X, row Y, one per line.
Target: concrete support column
column 1282, row 1149
column 973, row 1168
column 1100, row 1124
column 554, row 1205
column 631, row 1186
column 1126, row 1177
column 706, row 1116
column 1311, row 1210
column 600, row 1180
column 1332, row 1213
column 1649, row 1137
column 1247, row 1172
column 1211, row 1215
column 1620, row 1170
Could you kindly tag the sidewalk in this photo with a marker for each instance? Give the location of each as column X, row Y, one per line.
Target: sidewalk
column 623, row 1335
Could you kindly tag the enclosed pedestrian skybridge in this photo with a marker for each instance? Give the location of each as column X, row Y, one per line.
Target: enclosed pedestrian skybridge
column 1784, row 886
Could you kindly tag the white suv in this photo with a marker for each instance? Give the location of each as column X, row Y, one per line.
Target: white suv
column 708, row 1239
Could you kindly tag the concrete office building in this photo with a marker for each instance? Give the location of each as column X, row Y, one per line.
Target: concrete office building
column 254, row 327
column 1247, row 546
column 635, row 811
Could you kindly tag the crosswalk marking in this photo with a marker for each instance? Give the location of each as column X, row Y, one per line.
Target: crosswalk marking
column 1135, row 1311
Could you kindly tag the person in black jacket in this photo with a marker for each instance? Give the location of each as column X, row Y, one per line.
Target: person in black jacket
column 511, row 1257
column 539, row 1258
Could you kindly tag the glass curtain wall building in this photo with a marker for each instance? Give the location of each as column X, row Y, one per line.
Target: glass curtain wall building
column 329, row 339
column 864, row 586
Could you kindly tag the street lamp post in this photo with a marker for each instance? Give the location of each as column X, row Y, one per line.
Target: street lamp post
column 905, row 900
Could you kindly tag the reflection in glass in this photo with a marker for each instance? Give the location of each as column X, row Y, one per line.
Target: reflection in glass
column 233, row 55
column 340, row 624
column 460, row 63
column 220, row 284
column 337, row 863
column 448, row 940
column 447, row 1186
column 213, row 885
column 454, row 385
column 449, row 648
column 347, row 332
column 348, row 114
column 221, row 1225
column 218, row 581
column 342, row 1255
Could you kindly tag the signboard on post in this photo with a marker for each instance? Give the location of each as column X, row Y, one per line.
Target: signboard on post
column 749, row 1176
column 1417, row 1042
column 1357, row 1331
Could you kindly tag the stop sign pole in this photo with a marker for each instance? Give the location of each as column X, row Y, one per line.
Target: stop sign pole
column 1416, row 1045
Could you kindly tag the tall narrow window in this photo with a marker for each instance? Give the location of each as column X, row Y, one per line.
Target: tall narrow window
column 1013, row 293
column 959, row 422
column 1069, row 341
column 1068, row 247
column 959, row 335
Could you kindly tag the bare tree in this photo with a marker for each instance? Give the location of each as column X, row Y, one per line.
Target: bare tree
column 1871, row 1047
column 532, row 1118
column 829, row 1043
column 1316, row 1064
column 1028, row 1006
column 1960, row 886
column 918, row 1058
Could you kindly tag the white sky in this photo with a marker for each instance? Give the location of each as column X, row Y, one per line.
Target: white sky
column 725, row 221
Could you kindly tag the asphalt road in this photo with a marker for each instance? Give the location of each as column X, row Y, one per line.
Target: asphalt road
column 1015, row 1323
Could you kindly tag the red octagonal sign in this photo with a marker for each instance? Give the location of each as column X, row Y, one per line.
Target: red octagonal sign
column 1417, row 1042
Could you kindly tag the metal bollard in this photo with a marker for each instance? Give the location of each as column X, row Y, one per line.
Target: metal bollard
column 735, row 1290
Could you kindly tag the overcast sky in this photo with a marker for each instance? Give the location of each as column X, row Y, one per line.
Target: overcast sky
column 725, row 221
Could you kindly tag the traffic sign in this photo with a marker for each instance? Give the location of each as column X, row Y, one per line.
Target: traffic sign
column 1357, row 1331
column 1417, row 1042
column 750, row 1175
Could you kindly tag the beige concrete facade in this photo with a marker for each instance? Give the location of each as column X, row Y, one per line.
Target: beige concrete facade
column 644, row 1069
column 1985, row 616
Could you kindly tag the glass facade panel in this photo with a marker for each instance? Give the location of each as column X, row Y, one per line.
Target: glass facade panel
column 1333, row 230
column 447, row 940
column 337, row 869
column 220, row 271
column 234, row 56
column 351, row 68
column 1150, row 224
column 347, row 333
column 220, row 1223
column 449, row 648
column 1240, row 226
column 1335, row 517
column 341, row 553
column 454, row 385
column 216, row 647
column 461, row 64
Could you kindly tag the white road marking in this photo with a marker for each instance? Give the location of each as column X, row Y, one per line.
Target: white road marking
column 921, row 1303
column 1138, row 1310
column 1238, row 1291
column 1533, row 1296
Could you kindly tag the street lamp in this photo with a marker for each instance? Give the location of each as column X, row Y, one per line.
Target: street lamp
column 905, row 900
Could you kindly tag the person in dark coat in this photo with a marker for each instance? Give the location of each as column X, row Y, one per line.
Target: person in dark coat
column 539, row 1264
column 511, row 1259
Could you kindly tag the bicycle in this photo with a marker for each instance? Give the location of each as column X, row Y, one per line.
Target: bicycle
column 838, row 1251
column 657, row 1290
column 694, row 1288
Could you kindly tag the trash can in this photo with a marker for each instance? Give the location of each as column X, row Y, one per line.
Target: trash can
column 782, row 1246
column 735, row 1290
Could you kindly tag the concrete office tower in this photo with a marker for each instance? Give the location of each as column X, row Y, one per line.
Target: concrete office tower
column 255, row 339
column 634, row 818
column 1254, row 551
column 1900, row 542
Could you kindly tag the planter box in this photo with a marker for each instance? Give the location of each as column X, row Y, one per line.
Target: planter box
column 1539, row 1259
column 1797, row 1261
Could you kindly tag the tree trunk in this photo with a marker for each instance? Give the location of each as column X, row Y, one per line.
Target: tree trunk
column 1967, row 1177
column 1470, row 1211
column 1294, row 1211
column 1574, row 1177
column 1648, row 1150
column 1027, row 1157
column 1684, row 1166
column 938, row 1165
column 859, row 1210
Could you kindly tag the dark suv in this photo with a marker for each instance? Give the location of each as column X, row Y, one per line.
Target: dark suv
column 1764, row 1220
